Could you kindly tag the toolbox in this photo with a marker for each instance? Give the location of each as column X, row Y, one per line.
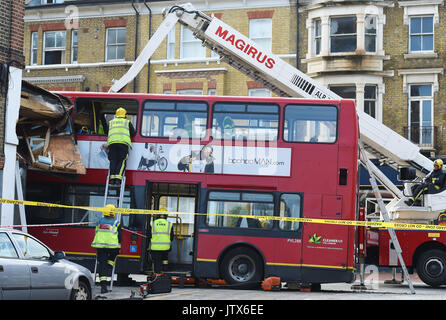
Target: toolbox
column 160, row 284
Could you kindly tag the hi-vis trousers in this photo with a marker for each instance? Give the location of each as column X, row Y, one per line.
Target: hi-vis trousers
column 118, row 154
column 106, row 259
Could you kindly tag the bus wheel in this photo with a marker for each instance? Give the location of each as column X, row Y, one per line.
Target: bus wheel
column 242, row 266
column 431, row 267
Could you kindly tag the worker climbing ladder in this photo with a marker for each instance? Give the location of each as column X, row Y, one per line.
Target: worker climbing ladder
column 366, row 161
column 109, row 194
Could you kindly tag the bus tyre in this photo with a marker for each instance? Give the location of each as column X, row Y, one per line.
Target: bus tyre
column 431, row 267
column 242, row 266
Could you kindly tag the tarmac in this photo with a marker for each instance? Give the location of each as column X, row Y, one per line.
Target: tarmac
column 381, row 284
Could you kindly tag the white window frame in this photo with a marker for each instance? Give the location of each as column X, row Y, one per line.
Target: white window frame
column 421, row 99
column 317, row 36
column 259, row 92
column 373, row 100
column 61, row 48
column 325, row 14
column 170, row 50
column 421, row 8
column 190, row 92
column 74, row 46
column 360, row 81
column 265, row 41
column 107, row 45
column 411, row 34
column 201, row 50
column 353, row 35
column 34, row 48
column 367, row 22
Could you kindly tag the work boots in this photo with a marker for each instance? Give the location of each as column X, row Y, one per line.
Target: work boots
column 104, row 287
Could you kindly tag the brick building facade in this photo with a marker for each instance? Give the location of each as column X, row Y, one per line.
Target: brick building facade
column 11, row 54
column 387, row 55
column 178, row 72
column 11, row 64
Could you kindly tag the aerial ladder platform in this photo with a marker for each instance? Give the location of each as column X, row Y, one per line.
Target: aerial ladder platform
column 234, row 48
column 376, row 140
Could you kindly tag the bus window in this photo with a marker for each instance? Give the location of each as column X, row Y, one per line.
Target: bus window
column 289, row 208
column 49, row 193
column 239, row 203
column 184, row 222
column 173, row 119
column 93, row 196
column 314, row 124
column 93, row 115
column 245, row 121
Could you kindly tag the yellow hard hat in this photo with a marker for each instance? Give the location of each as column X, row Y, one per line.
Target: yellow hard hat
column 121, row 112
column 108, row 212
column 161, row 213
column 439, row 163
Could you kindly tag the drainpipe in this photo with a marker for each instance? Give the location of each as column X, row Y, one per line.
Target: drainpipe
column 150, row 35
column 297, row 34
column 136, row 40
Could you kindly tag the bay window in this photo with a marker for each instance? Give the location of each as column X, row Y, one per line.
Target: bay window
column 343, row 34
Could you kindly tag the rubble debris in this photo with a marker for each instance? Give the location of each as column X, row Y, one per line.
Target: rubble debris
column 45, row 127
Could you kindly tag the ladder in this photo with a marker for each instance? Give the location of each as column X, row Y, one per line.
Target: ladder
column 120, row 198
column 384, row 213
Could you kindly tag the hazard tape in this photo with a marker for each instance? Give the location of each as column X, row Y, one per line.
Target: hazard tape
column 48, row 225
column 377, row 224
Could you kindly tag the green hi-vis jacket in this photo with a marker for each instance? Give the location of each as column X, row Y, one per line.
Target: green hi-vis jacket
column 106, row 234
column 161, row 229
column 119, row 132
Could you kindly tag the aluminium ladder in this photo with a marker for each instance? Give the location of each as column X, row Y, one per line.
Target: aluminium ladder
column 385, row 215
column 120, row 198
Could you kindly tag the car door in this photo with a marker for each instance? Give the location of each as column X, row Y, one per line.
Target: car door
column 48, row 278
column 15, row 279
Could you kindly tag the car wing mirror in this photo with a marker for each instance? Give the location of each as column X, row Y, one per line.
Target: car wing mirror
column 59, row 255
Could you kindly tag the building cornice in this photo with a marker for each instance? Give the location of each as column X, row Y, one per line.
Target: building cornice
column 190, row 73
column 55, row 79
column 79, row 65
column 428, row 75
column 87, row 10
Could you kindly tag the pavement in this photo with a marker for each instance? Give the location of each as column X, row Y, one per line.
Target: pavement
column 377, row 286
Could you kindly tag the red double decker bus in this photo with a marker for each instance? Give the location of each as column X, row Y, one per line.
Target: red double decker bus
column 220, row 157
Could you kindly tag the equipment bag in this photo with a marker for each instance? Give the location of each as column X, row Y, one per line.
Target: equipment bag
column 161, row 284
